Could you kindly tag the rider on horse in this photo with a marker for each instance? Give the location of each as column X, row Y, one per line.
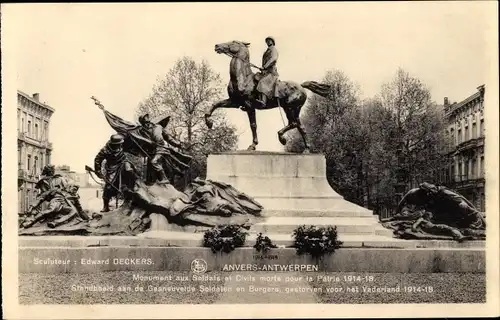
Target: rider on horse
column 268, row 76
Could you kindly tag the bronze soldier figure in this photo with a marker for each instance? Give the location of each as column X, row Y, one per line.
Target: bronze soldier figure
column 269, row 73
column 50, row 180
column 120, row 172
column 60, row 209
column 163, row 153
column 74, row 197
column 425, row 224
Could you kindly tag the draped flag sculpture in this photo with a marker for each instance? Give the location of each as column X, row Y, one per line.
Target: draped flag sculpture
column 203, row 203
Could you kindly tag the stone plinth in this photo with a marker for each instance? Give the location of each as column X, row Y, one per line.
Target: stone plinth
column 293, row 190
column 363, row 260
column 272, row 175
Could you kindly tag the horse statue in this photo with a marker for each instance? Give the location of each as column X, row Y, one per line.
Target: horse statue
column 242, row 93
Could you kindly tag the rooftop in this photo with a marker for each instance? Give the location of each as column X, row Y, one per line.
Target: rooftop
column 32, row 99
column 457, row 105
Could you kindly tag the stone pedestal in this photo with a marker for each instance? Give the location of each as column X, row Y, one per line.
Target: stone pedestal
column 293, row 190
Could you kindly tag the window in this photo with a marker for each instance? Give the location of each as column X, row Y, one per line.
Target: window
column 41, row 161
column 22, row 129
column 459, row 136
column 459, row 173
column 466, row 169
column 482, row 205
column 25, row 118
column 452, row 137
column 29, row 127
column 27, row 199
column 36, row 131
column 45, row 131
column 35, row 166
column 481, row 167
column 466, row 132
column 481, row 128
column 19, row 157
column 473, row 168
column 28, row 163
column 474, row 130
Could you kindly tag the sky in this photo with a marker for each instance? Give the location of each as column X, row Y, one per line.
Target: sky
column 116, row 52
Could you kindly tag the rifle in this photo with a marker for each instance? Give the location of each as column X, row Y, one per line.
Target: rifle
column 90, row 171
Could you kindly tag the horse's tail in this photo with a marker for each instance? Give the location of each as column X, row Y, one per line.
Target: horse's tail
column 321, row 89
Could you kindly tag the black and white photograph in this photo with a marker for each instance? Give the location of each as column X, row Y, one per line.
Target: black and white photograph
column 248, row 160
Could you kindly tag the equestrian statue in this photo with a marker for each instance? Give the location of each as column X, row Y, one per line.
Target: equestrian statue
column 249, row 92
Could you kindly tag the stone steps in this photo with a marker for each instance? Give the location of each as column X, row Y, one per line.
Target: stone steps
column 309, row 204
column 348, row 225
column 315, row 213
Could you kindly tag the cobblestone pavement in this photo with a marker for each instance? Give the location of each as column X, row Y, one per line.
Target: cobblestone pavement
column 124, row 287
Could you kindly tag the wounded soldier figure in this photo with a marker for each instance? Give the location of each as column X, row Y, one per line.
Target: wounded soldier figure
column 436, row 212
column 424, row 224
column 60, row 209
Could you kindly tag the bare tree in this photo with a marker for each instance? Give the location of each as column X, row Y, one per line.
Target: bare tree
column 184, row 93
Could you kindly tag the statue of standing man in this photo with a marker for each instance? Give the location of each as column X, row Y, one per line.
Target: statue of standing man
column 119, row 170
column 176, row 161
column 269, row 73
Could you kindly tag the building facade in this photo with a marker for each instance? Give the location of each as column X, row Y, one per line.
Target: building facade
column 80, row 179
column 89, row 190
column 33, row 146
column 465, row 130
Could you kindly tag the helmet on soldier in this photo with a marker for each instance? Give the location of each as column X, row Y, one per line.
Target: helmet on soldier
column 116, row 139
column 271, row 39
column 144, row 119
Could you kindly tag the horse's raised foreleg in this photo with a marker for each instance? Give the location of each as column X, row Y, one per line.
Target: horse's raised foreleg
column 253, row 125
column 292, row 124
column 282, row 132
column 227, row 103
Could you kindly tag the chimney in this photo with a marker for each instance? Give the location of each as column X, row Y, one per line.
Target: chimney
column 36, row 96
column 446, row 101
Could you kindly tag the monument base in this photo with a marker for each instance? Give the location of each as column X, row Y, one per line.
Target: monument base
column 294, row 191
column 140, row 258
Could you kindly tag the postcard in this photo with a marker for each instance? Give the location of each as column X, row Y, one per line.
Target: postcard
column 249, row 160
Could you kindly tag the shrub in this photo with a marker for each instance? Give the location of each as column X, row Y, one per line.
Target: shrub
column 263, row 244
column 316, row 241
column 224, row 238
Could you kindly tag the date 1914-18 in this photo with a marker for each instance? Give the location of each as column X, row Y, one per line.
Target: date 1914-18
column 418, row 289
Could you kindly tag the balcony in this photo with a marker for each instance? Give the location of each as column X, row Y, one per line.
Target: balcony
column 47, row 145
column 470, row 144
column 467, row 183
column 39, row 143
column 22, row 174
